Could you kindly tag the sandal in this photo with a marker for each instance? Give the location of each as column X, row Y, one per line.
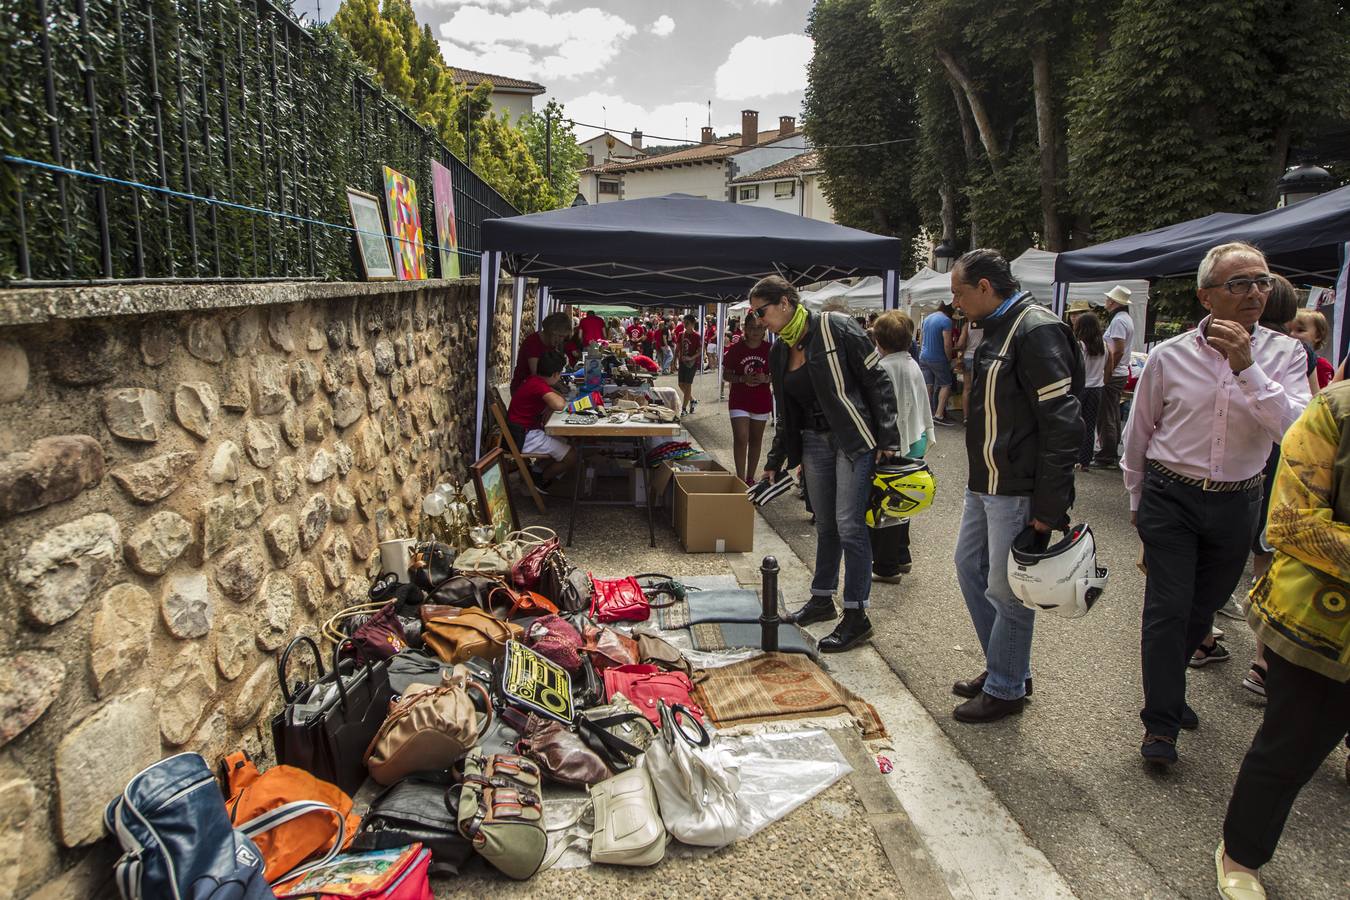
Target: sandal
column 1255, row 681
column 1236, row 885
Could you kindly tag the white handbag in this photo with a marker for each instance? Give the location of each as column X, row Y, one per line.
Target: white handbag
column 695, row 786
column 628, row 829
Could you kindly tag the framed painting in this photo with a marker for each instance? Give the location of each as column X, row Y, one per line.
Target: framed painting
column 443, row 199
column 372, row 242
column 494, row 500
column 405, row 225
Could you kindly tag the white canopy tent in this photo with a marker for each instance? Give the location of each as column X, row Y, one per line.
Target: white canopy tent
column 1035, row 269
column 926, row 291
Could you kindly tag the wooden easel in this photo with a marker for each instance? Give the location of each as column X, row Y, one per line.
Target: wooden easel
column 498, row 403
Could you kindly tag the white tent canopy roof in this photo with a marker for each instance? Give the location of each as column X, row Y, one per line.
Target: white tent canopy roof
column 1035, row 269
column 926, row 290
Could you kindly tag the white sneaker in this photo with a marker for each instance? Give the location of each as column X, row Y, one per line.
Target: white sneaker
column 1232, row 610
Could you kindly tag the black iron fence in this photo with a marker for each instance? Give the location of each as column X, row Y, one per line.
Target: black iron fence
column 199, row 140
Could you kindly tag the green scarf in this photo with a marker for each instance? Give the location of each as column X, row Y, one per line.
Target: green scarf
column 795, row 329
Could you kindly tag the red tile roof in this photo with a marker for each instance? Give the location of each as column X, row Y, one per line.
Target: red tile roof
column 718, row 150
column 788, row 168
column 498, row 82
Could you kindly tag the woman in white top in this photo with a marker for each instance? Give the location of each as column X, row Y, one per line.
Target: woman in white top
column 894, row 332
column 1088, row 329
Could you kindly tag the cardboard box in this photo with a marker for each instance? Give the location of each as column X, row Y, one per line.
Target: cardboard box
column 667, row 470
column 712, row 513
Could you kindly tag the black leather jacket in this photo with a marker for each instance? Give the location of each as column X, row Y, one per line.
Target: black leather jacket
column 853, row 389
column 1023, row 422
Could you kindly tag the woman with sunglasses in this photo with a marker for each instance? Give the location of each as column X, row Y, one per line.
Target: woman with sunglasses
column 836, row 418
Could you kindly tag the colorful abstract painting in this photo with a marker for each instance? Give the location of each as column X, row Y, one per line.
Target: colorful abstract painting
column 443, row 198
column 405, row 225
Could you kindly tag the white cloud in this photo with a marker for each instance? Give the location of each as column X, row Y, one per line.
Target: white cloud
column 532, row 43
column 663, row 26
column 763, row 67
column 668, row 123
column 497, row 4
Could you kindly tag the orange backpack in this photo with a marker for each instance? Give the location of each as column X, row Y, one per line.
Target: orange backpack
column 287, row 837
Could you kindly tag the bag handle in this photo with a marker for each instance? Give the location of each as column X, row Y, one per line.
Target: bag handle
column 458, row 621
column 667, row 586
column 330, row 629
column 294, row 810
column 471, row 685
column 285, row 658
column 674, row 713
column 528, row 536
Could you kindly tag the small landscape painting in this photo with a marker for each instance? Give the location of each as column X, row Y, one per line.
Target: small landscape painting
column 494, row 499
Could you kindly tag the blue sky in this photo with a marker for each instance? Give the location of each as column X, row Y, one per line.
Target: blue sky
column 655, row 66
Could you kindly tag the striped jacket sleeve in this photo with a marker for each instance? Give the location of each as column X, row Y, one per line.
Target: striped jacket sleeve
column 1050, row 371
column 873, row 379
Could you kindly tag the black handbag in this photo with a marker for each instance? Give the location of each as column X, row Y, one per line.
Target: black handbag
column 563, row 583
column 418, row 809
column 326, row 732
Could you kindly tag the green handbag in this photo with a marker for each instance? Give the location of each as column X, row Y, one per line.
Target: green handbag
column 501, row 812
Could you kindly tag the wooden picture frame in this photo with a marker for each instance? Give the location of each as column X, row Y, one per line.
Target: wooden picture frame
column 494, row 494
column 372, row 239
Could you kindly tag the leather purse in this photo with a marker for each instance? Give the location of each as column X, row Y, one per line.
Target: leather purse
column 628, row 829
column 536, row 543
column 618, row 732
column 506, row 603
column 431, row 564
column 463, row 590
column 429, row 729
column 554, row 638
column 608, row 648
column 561, row 753
column 618, row 600
column 564, row 584
column 647, row 687
column 588, row 688
column 381, row 636
column 417, row 810
column 471, row 633
column 695, row 788
column 659, row 652
column 501, row 812
column 495, row 560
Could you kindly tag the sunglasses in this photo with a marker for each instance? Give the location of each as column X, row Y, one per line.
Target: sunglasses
column 759, row 311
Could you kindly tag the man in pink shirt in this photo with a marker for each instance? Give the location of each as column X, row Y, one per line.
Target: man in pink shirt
column 1207, row 408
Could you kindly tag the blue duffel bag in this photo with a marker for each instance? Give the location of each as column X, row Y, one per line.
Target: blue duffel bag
column 177, row 840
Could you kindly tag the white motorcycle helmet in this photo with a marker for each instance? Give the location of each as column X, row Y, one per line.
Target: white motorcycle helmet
column 1062, row 578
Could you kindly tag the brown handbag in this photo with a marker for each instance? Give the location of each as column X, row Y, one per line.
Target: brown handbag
column 561, row 753
column 609, row 648
column 662, row 653
column 429, row 728
column 507, row 603
column 471, row 633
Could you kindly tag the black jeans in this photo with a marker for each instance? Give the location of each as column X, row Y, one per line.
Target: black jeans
column 1108, row 419
column 1307, row 714
column 1091, row 403
column 890, row 549
column 1195, row 548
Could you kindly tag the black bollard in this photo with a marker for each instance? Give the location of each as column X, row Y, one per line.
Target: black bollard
column 768, row 613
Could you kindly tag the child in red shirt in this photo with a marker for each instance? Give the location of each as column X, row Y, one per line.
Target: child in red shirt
column 746, row 368
column 531, row 404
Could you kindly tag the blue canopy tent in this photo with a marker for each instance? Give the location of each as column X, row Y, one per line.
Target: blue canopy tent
column 1309, row 242
column 675, row 250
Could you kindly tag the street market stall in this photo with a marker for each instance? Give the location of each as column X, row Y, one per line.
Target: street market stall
column 1035, row 271
column 1309, row 242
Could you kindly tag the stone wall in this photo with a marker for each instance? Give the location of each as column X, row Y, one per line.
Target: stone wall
column 189, row 477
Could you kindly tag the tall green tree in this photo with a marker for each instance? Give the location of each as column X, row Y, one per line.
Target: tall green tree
column 855, row 95
column 561, row 150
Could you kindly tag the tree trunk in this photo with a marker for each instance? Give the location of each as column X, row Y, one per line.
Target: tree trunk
column 983, row 123
column 1279, row 161
column 1046, row 135
column 948, row 214
column 968, row 138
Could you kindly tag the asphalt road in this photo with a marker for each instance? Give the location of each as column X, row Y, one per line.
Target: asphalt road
column 1068, row 768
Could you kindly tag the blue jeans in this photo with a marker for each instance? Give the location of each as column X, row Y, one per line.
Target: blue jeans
column 839, row 489
column 988, row 525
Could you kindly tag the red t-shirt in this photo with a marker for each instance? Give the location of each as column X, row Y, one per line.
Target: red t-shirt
column 1325, row 372
column 742, row 359
column 528, row 409
column 679, row 331
column 690, row 344
column 572, row 351
column 532, row 347
column 709, row 334
column 636, row 333
column 658, row 337
column 645, row 361
column 592, row 329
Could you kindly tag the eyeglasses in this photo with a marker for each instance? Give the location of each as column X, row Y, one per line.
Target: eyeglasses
column 1241, row 287
column 758, row 312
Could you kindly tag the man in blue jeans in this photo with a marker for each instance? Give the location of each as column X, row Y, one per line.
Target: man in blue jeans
column 1023, row 431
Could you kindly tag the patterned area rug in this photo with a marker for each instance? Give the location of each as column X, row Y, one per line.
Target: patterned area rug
column 782, row 687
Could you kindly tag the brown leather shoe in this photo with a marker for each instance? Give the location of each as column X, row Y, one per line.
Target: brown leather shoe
column 970, row 689
column 987, row 708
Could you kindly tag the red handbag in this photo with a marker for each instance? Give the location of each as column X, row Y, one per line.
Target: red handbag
column 380, row 636
column 527, row 570
column 647, row 687
column 623, row 599
column 553, row 637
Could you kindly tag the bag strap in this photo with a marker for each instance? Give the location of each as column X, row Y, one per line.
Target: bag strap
column 286, row 657
column 529, row 535
column 294, row 810
column 330, row 629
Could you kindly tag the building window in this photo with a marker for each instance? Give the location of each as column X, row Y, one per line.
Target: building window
column 783, row 189
column 609, row 187
column 749, row 192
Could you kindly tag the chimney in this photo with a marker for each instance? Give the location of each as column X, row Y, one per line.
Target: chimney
column 786, row 125
column 637, row 140
column 707, row 134
column 590, row 159
column 749, row 127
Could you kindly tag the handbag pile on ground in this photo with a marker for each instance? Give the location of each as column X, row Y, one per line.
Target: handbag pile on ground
column 463, row 695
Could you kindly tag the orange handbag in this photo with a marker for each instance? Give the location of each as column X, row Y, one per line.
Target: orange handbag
column 471, row 633
column 519, row 603
column 289, row 843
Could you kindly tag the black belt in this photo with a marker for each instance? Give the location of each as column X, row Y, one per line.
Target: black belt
column 1207, row 484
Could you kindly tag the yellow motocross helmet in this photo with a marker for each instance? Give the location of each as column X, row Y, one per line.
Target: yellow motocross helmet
column 901, row 488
